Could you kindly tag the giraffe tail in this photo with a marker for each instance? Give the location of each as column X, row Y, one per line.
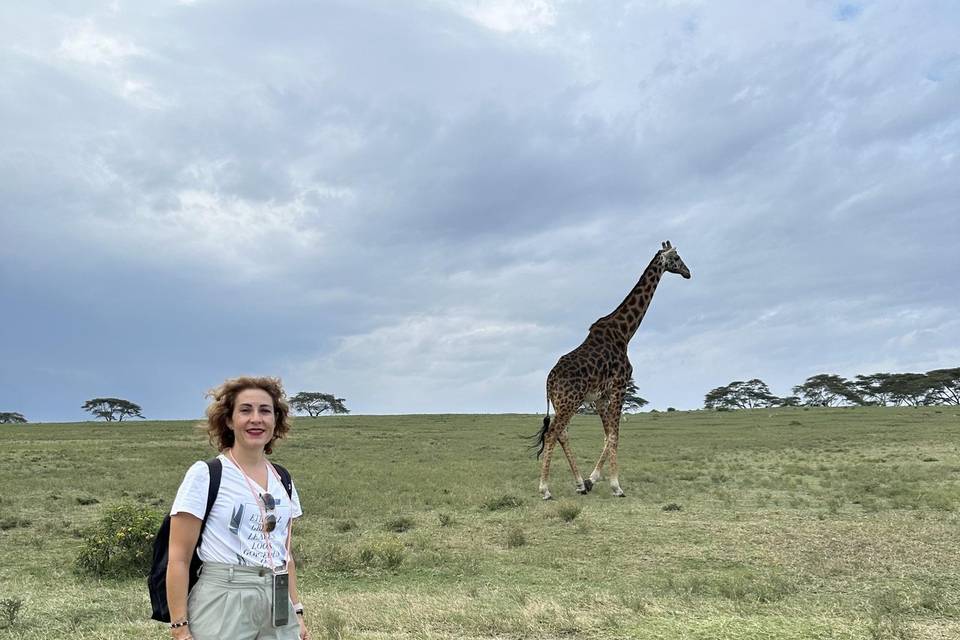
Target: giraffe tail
column 538, row 439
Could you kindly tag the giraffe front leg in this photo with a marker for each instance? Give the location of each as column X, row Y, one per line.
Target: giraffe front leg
column 597, row 472
column 582, row 487
column 614, row 473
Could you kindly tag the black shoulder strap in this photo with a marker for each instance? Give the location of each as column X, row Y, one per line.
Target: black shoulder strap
column 216, row 471
column 285, row 479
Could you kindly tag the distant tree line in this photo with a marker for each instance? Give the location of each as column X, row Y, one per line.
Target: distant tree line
column 937, row 387
column 313, row 403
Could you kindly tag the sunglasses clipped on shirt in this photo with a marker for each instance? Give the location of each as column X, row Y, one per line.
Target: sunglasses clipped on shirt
column 269, row 504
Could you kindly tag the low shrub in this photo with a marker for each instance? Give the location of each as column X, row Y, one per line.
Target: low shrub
column 384, row 553
column 342, row 526
column 388, row 554
column 9, row 610
column 568, row 511
column 120, row 544
column 516, row 538
column 14, row 523
column 333, row 624
column 399, row 524
column 506, row 501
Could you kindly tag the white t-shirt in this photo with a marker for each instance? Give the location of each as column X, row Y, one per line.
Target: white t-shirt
column 234, row 532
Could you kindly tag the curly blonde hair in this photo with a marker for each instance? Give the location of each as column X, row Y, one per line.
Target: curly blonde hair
column 224, row 400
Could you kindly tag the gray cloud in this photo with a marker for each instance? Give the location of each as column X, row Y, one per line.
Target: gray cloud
column 421, row 208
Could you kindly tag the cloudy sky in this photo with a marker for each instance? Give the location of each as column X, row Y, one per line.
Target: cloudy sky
column 419, row 206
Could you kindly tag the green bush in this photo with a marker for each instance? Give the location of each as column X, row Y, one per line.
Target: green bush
column 506, row 501
column 333, row 624
column 385, row 553
column 342, row 526
column 120, row 544
column 568, row 511
column 399, row 524
column 9, row 609
column 516, row 538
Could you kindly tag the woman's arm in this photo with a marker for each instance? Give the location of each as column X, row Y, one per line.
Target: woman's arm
column 292, row 569
column 184, row 532
column 295, row 596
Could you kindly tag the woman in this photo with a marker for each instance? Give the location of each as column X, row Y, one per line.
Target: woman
column 246, row 542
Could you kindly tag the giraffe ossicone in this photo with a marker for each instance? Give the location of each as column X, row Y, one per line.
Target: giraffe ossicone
column 599, row 371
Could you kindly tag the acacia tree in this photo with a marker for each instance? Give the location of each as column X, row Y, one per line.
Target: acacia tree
column 827, row 390
column 11, row 417
column 315, row 403
column 112, row 409
column 631, row 401
column 874, row 388
column 751, row 394
column 910, row 389
column 944, row 385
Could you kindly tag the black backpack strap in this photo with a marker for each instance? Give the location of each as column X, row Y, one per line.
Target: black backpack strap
column 216, row 472
column 285, row 479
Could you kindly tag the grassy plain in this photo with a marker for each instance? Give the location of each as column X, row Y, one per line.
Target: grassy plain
column 786, row 524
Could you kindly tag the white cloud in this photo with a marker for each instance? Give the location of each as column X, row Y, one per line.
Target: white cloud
column 87, row 45
column 508, row 16
column 454, row 362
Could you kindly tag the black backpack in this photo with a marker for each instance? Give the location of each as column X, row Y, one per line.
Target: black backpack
column 157, row 579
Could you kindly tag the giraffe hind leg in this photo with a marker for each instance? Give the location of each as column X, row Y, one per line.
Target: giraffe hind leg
column 611, row 426
column 552, row 433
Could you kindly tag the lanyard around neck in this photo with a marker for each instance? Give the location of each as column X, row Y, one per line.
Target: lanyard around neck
column 258, row 500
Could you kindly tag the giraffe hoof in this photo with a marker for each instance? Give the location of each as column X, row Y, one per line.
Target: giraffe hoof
column 619, row 494
column 547, row 496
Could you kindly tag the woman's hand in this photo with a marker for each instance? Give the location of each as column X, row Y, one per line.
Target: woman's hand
column 304, row 634
column 181, row 633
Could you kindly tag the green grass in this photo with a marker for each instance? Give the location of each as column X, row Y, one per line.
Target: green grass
column 795, row 524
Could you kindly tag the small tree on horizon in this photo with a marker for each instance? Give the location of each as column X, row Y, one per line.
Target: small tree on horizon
column 315, row 403
column 112, row 409
column 631, row 401
column 11, row 417
column 752, row 394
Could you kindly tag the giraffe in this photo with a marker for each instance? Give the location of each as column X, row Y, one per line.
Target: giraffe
column 598, row 371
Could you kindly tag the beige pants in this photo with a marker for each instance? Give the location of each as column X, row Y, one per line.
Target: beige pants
column 233, row 603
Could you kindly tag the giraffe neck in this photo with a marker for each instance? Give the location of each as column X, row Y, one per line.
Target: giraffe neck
column 624, row 321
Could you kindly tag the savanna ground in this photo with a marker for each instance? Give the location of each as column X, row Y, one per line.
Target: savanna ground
column 791, row 523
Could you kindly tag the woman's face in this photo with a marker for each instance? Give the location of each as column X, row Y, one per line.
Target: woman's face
column 253, row 419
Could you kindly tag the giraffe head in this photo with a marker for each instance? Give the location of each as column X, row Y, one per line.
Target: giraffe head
column 671, row 260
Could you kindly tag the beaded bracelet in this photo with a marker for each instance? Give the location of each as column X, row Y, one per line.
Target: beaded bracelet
column 177, row 625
